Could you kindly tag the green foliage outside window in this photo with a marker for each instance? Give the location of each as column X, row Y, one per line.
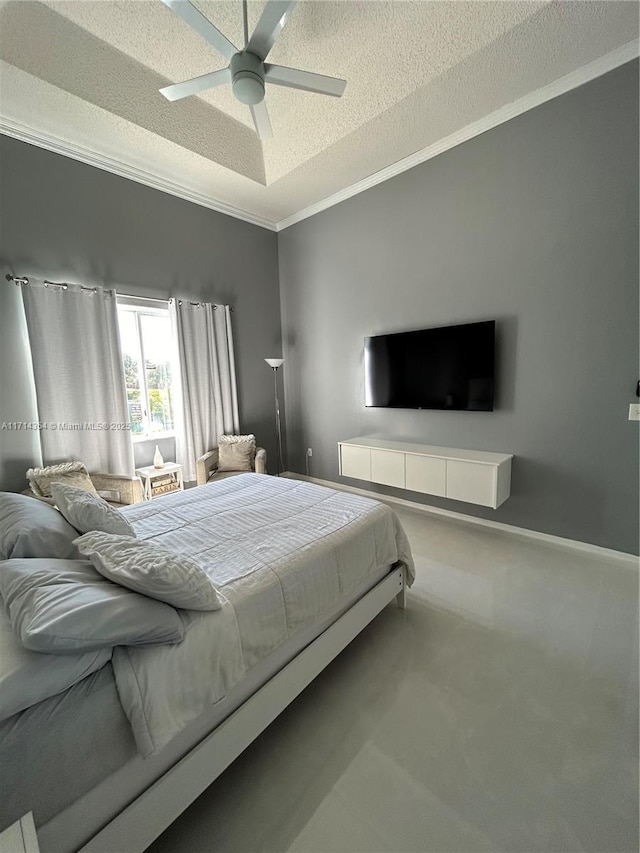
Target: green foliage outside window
column 156, row 414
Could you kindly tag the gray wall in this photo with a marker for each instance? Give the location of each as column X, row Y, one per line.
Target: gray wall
column 535, row 224
column 64, row 220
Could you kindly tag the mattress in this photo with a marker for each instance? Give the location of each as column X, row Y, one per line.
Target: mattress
column 72, row 759
column 288, row 559
column 55, row 751
column 282, row 553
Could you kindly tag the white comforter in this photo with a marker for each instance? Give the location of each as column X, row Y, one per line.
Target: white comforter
column 282, row 553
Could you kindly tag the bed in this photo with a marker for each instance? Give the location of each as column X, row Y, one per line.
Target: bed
column 301, row 569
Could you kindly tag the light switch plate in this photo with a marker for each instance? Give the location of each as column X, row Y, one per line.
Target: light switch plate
column 634, row 411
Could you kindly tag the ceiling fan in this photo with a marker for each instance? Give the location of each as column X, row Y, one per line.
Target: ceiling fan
column 248, row 71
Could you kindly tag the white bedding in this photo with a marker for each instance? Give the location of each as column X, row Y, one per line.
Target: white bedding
column 282, row 553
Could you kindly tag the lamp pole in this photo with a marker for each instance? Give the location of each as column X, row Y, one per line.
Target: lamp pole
column 275, row 364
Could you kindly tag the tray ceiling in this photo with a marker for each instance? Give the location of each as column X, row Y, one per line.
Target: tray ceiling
column 82, row 76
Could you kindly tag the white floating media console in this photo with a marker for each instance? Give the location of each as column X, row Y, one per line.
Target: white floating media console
column 473, row 476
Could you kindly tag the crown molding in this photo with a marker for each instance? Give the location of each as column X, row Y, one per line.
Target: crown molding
column 20, row 131
column 573, row 80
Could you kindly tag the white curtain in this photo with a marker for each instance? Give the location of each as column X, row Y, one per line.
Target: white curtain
column 79, row 377
column 208, row 406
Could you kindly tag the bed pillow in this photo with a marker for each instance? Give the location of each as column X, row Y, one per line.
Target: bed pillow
column 65, row 606
column 72, row 473
column 31, row 528
column 236, row 452
column 86, row 511
column 27, row 677
column 160, row 574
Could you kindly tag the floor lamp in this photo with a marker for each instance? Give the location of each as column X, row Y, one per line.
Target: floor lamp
column 274, row 364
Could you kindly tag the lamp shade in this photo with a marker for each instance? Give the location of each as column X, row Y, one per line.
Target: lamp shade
column 275, row 362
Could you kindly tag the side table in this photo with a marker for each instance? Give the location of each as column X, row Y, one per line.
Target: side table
column 160, row 481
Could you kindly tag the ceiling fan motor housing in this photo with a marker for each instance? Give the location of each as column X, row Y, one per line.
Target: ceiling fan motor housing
column 247, row 75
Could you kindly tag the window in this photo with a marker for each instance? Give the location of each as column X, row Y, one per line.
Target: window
column 146, row 340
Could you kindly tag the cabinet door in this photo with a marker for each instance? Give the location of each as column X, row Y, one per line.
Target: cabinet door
column 355, row 462
column 426, row 474
column 472, row 482
column 387, row 467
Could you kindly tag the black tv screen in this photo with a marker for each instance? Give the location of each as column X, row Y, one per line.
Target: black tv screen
column 450, row 367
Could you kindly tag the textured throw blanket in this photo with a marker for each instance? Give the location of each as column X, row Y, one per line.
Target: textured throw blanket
column 283, row 554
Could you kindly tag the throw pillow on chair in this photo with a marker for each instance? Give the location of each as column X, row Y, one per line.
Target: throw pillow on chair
column 236, row 452
column 70, row 473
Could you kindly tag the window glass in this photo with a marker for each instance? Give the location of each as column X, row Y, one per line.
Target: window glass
column 156, row 344
column 146, row 343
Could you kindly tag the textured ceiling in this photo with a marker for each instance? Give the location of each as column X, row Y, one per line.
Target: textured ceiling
column 87, row 73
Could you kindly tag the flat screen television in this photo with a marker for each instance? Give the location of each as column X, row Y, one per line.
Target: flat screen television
column 449, row 367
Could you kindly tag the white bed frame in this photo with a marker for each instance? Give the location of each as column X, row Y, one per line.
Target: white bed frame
column 140, row 823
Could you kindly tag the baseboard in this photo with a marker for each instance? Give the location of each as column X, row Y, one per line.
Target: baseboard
column 498, row 526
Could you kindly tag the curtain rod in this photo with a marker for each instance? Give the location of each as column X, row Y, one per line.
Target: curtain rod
column 22, row 280
column 62, row 284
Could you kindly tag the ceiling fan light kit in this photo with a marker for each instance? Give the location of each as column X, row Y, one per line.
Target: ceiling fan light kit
column 247, row 78
column 247, row 71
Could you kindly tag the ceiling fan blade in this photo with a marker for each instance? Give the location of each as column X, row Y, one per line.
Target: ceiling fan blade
column 197, row 21
column 275, row 16
column 261, row 120
column 293, row 78
column 199, row 84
